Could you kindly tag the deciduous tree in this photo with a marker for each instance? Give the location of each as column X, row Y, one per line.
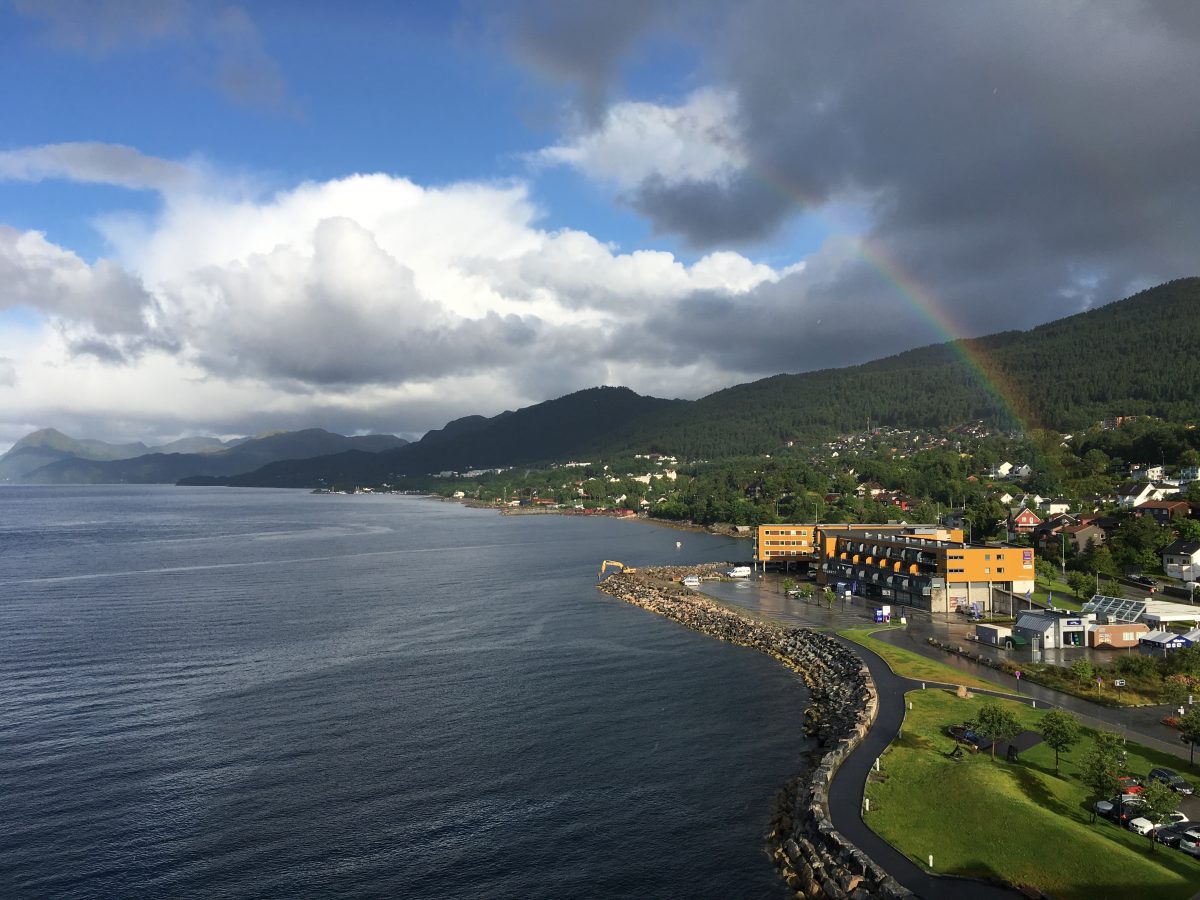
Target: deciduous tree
column 1060, row 730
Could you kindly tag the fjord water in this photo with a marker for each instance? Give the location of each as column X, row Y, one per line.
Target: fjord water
column 249, row 693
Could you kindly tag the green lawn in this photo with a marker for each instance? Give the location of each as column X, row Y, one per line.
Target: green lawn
column 913, row 665
column 981, row 817
column 1060, row 591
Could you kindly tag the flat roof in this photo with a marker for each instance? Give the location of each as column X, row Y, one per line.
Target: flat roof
column 917, row 539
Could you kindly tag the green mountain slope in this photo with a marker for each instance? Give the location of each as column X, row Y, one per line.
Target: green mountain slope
column 1134, row 357
column 542, row 433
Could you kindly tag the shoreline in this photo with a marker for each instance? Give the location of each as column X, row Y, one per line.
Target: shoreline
column 813, row 858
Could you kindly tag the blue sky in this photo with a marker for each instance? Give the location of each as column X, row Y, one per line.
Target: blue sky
column 671, row 196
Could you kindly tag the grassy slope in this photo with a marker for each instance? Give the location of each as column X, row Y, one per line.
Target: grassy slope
column 912, row 665
column 981, row 817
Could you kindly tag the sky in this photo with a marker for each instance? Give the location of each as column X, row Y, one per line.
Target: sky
column 377, row 217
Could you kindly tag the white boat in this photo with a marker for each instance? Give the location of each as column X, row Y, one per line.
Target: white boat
column 739, row 572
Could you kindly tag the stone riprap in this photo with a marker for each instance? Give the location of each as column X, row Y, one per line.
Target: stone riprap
column 813, row 858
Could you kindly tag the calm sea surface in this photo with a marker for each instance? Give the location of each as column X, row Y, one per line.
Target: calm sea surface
column 216, row 693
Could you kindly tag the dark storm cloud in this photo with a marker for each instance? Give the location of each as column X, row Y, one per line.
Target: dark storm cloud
column 1015, row 161
column 710, row 213
column 580, row 44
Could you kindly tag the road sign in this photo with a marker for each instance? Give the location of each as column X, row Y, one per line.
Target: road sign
column 1018, row 674
column 1120, row 682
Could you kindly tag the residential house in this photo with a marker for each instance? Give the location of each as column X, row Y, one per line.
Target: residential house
column 1002, row 470
column 1135, row 493
column 1163, row 511
column 1023, row 520
column 1050, row 528
column 1081, row 537
column 1022, row 471
column 1005, row 499
column 1054, row 507
column 1188, row 474
column 1181, row 559
column 1145, row 472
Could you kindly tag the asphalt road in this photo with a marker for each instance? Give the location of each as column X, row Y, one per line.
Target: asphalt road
column 846, row 791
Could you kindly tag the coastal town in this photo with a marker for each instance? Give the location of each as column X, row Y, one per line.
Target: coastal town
column 981, row 647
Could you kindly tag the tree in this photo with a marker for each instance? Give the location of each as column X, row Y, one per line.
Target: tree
column 1082, row 669
column 829, row 595
column 1045, row 569
column 1100, row 767
column 1082, row 584
column 994, row 722
column 1158, row 802
column 1060, row 730
column 1189, row 728
column 1175, row 689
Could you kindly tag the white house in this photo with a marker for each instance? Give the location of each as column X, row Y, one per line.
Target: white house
column 1145, row 472
column 1181, row 560
column 1002, row 470
column 1139, row 492
column 1055, row 507
column 1021, row 471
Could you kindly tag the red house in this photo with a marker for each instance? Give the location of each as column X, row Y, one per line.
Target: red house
column 1023, row 521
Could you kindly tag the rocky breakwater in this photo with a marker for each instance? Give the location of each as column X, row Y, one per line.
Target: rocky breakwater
column 813, row 858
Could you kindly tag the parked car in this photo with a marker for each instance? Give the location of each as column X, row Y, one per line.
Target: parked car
column 1120, row 809
column 1169, row 835
column 1189, row 841
column 1129, row 784
column 1172, row 779
column 1145, row 581
column 1142, row 825
column 964, row 735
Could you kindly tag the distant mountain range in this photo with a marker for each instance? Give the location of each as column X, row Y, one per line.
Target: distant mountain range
column 50, row 457
column 547, row 432
column 1137, row 356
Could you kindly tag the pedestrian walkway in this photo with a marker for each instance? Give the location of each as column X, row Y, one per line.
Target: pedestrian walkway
column 846, row 796
column 1140, row 724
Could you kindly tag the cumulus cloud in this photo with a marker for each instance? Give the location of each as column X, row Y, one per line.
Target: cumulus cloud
column 697, row 140
column 89, row 161
column 366, row 301
column 40, row 275
column 1010, row 162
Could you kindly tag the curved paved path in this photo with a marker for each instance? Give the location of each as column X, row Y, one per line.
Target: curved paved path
column 846, row 796
column 1138, row 723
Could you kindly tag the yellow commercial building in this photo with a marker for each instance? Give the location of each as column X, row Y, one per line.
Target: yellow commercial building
column 804, row 544
column 934, row 573
column 923, row 566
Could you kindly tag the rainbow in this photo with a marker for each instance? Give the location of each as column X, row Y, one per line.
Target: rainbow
column 990, row 376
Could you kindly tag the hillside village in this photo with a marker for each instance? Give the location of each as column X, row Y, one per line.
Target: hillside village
column 1119, row 499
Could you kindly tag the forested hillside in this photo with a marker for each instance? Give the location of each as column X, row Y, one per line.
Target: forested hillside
column 544, row 432
column 1133, row 357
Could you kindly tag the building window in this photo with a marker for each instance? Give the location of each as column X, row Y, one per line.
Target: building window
column 1000, row 571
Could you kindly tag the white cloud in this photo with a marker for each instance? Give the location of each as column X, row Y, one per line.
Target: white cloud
column 697, row 141
column 38, row 274
column 367, row 302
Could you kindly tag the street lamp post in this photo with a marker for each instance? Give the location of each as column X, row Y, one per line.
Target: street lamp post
column 1063, row 535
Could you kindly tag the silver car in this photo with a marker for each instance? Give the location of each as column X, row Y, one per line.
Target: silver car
column 1190, row 842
